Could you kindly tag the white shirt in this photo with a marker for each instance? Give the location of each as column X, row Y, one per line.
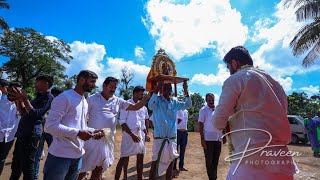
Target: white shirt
column 183, row 115
column 251, row 98
column 316, row 118
column 103, row 112
column 65, row 118
column 134, row 119
column 210, row 133
column 9, row 119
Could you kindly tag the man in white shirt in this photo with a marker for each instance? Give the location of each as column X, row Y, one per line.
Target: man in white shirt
column 103, row 110
column 255, row 106
column 66, row 122
column 133, row 135
column 182, row 140
column 210, row 137
column 9, row 121
column 317, row 117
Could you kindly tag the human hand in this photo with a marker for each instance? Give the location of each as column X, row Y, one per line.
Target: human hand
column 84, row 135
column 135, row 138
column 17, row 94
column 147, row 138
column 203, row 144
column 98, row 134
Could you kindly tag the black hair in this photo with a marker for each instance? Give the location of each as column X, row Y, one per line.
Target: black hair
column 240, row 54
column 56, row 91
column 209, row 94
column 110, row 79
column 86, row 74
column 48, row 79
column 15, row 84
column 4, row 82
column 138, row 89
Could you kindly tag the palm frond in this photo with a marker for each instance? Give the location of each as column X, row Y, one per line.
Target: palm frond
column 312, row 56
column 307, row 11
column 3, row 24
column 305, row 38
column 4, row 4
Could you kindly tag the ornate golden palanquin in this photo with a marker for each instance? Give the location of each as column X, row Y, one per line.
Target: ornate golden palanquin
column 163, row 69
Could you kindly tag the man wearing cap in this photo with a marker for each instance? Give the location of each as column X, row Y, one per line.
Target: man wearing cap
column 134, row 135
column 103, row 109
column 164, row 149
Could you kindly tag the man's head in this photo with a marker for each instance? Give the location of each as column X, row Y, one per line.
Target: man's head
column 237, row 57
column 110, row 85
column 4, row 84
column 13, row 85
column 309, row 115
column 167, row 90
column 210, row 100
column 43, row 83
column 87, row 80
column 138, row 92
column 56, row 91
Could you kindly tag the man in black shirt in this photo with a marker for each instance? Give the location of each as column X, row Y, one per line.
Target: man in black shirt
column 30, row 127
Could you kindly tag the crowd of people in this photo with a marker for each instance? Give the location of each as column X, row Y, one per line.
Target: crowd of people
column 80, row 131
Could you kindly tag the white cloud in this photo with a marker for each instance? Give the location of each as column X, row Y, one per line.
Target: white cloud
column 286, row 83
column 212, row 79
column 139, row 53
column 189, row 28
column 311, row 90
column 116, row 64
column 275, row 55
column 86, row 56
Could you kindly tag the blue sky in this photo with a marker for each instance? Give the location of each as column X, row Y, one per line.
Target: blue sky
column 106, row 36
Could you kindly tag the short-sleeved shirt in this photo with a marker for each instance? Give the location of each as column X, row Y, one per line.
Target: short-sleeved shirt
column 103, row 113
column 210, row 133
column 134, row 119
column 183, row 115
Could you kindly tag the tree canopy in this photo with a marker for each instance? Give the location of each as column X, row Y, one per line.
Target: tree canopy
column 32, row 54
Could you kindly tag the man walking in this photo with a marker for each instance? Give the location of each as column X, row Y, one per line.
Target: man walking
column 210, row 137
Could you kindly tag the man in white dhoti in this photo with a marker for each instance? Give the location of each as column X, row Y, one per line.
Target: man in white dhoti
column 256, row 107
column 103, row 110
column 164, row 149
column 133, row 135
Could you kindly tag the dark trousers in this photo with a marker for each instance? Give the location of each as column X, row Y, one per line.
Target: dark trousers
column 4, row 151
column 212, row 154
column 24, row 154
column 182, row 141
column 45, row 137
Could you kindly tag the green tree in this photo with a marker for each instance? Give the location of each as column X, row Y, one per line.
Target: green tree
column 32, row 54
column 300, row 103
column 197, row 103
column 126, row 77
column 307, row 39
column 3, row 23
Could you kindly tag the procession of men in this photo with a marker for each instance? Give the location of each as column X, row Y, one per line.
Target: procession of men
column 82, row 129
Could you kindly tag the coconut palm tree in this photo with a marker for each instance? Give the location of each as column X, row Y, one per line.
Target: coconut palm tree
column 307, row 39
column 3, row 24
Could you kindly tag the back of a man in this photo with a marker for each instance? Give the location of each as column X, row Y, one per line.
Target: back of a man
column 255, row 106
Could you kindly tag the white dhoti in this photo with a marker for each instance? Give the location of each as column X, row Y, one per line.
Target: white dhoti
column 98, row 152
column 164, row 151
column 129, row 147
